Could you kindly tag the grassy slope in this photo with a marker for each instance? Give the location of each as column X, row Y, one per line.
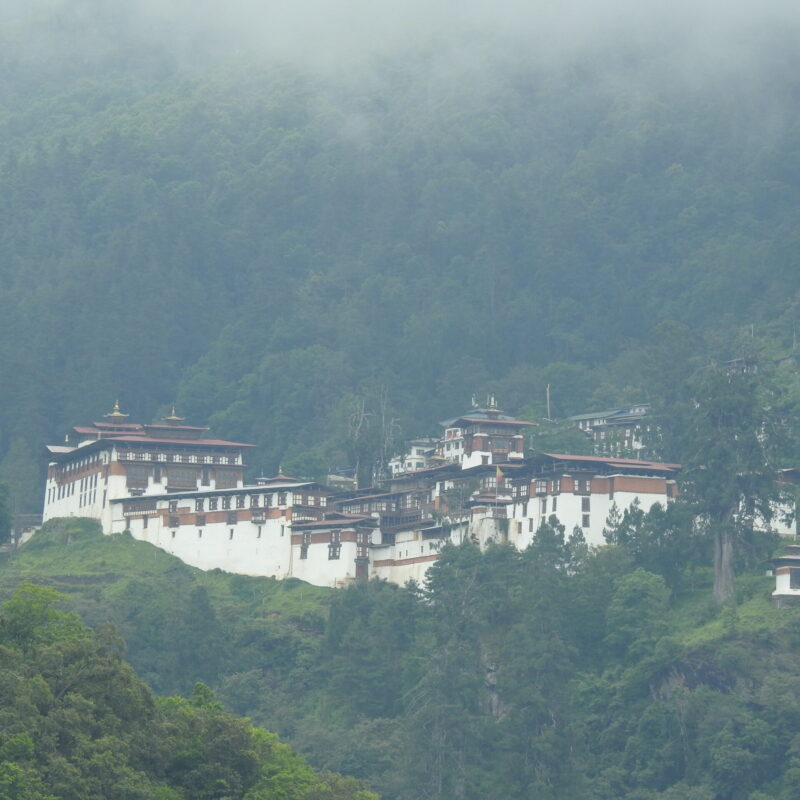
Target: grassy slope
column 73, row 555
column 160, row 604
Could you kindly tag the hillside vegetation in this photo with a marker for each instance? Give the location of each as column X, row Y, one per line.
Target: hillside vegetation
column 182, row 625
column 76, row 722
column 606, row 675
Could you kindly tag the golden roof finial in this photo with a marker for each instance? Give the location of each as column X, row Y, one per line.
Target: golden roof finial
column 116, row 414
column 173, row 417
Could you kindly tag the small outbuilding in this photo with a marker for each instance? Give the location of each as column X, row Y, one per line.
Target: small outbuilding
column 787, row 575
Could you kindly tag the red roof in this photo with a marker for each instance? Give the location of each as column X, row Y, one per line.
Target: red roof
column 280, row 478
column 133, row 425
column 201, row 442
column 519, row 422
column 619, row 462
column 175, row 427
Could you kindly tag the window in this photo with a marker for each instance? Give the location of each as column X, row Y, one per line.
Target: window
column 282, row 498
column 226, row 502
column 137, row 476
column 173, row 523
column 182, row 478
column 530, row 525
column 586, row 504
column 231, row 518
column 157, row 475
column 200, row 520
column 555, row 504
column 199, row 533
column 259, row 532
column 226, row 479
column 267, row 500
column 794, row 579
column 303, row 551
column 144, row 521
column 541, row 487
column 484, row 459
column 205, row 479
column 198, row 504
column 254, row 501
column 333, row 552
column 173, row 534
column 585, row 521
column 543, row 505
column 213, row 503
column 231, row 459
column 239, row 501
column 230, row 534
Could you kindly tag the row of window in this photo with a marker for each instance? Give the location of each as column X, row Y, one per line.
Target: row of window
column 82, row 463
column 177, row 458
column 334, row 551
column 61, row 491
column 334, row 548
column 255, row 501
column 201, row 526
column 200, row 531
column 585, row 518
column 88, row 489
column 579, row 485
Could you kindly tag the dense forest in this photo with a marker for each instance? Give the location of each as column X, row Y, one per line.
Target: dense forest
column 554, row 672
column 271, row 244
column 76, row 722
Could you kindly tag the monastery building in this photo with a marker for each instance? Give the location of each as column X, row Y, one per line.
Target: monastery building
column 176, row 487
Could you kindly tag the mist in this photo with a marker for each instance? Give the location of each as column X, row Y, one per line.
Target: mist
column 691, row 42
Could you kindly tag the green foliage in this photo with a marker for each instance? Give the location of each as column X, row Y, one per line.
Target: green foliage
column 559, row 437
column 76, row 722
column 5, row 514
column 186, row 625
column 604, row 674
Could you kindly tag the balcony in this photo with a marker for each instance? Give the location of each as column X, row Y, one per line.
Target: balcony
column 144, row 507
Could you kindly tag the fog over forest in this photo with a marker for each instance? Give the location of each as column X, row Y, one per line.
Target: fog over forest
column 691, row 41
column 428, row 200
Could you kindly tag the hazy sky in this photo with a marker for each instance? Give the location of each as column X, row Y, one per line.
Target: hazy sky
column 323, row 34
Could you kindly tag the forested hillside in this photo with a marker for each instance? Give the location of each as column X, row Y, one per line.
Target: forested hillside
column 77, row 722
column 556, row 672
column 272, row 242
